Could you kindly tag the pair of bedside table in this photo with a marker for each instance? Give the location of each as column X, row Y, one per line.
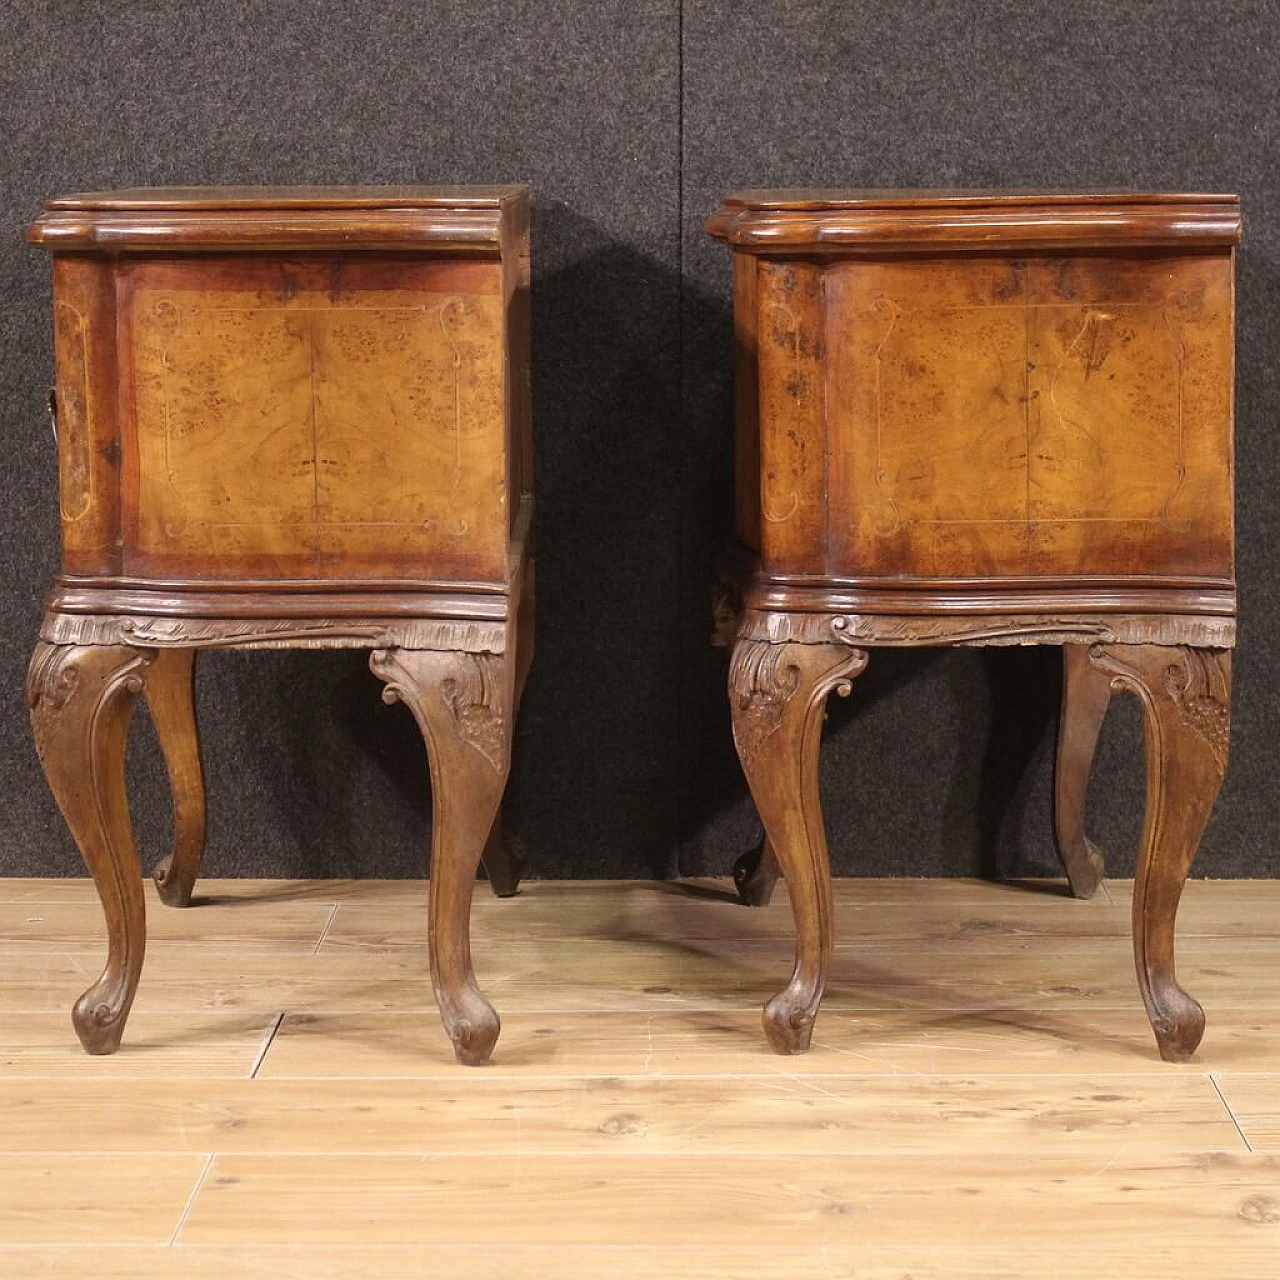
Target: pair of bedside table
column 300, row 418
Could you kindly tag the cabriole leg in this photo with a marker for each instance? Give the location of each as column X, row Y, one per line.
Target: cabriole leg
column 81, row 699
column 1086, row 694
column 170, row 694
column 777, row 693
column 462, row 703
column 1186, row 700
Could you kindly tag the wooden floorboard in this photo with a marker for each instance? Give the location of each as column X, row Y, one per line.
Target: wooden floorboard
column 1140, row 1258
column 955, row 1200
column 983, row 1096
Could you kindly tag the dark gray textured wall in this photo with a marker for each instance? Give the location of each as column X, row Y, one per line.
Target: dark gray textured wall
column 630, row 119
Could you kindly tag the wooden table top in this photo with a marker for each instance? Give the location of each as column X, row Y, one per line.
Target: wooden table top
column 301, row 197
column 832, row 220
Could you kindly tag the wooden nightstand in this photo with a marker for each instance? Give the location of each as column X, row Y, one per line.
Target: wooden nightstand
column 287, row 418
column 969, row 418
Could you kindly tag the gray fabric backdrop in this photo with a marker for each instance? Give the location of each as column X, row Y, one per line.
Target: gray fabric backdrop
column 630, row 118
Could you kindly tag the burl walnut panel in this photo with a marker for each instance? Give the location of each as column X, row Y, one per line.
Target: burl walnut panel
column 288, row 415
column 1029, row 416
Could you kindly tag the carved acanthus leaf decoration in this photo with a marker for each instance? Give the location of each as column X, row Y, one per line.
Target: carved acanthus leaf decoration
column 470, row 689
column 472, row 697
column 58, row 673
column 761, row 682
column 1196, row 683
column 1193, row 684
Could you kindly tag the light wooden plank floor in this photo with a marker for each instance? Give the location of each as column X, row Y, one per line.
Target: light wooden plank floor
column 983, row 1098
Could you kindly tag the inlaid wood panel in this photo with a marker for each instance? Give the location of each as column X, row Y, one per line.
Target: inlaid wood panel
column 1009, row 417
column 793, row 471
column 89, row 443
column 746, row 402
column 291, row 415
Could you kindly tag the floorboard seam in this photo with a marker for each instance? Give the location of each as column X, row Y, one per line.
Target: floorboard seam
column 267, row 1041
column 328, row 924
column 1213, row 1080
column 191, row 1199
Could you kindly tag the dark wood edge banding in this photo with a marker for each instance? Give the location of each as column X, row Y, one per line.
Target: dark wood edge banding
column 963, row 598
column 265, row 604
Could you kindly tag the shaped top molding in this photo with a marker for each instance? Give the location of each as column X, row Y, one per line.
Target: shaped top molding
column 477, row 219
column 895, row 220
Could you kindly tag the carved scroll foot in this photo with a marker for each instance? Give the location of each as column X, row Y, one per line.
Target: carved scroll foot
column 1186, row 699
column 777, row 693
column 170, row 694
column 1086, row 694
column 462, row 703
column 504, row 860
column 81, row 699
column 755, row 874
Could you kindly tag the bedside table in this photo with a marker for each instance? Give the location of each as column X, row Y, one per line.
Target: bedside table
column 287, row 418
column 969, row 418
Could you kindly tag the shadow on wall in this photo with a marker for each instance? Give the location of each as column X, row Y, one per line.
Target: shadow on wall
column 340, row 780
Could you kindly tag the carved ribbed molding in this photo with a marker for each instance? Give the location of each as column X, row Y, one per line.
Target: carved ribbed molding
column 777, row 627
column 257, row 633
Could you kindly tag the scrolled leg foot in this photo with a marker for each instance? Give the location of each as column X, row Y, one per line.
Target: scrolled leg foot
column 170, row 695
column 789, row 1017
column 471, row 1023
column 777, row 693
column 1086, row 694
column 1178, row 1024
column 1186, row 699
column 463, row 705
column 81, row 700
column 755, row 875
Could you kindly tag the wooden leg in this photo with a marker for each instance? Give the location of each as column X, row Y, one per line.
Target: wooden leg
column 1086, row 694
column 81, row 699
column 777, row 693
column 1186, row 700
column 756, row 873
column 505, row 858
column 170, row 694
column 462, row 703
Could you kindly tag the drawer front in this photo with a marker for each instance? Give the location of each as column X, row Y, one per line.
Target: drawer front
column 313, row 418
column 1043, row 417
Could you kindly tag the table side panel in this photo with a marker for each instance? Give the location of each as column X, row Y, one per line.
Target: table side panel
column 314, row 416
column 88, row 430
column 746, row 402
column 1047, row 417
column 792, row 351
